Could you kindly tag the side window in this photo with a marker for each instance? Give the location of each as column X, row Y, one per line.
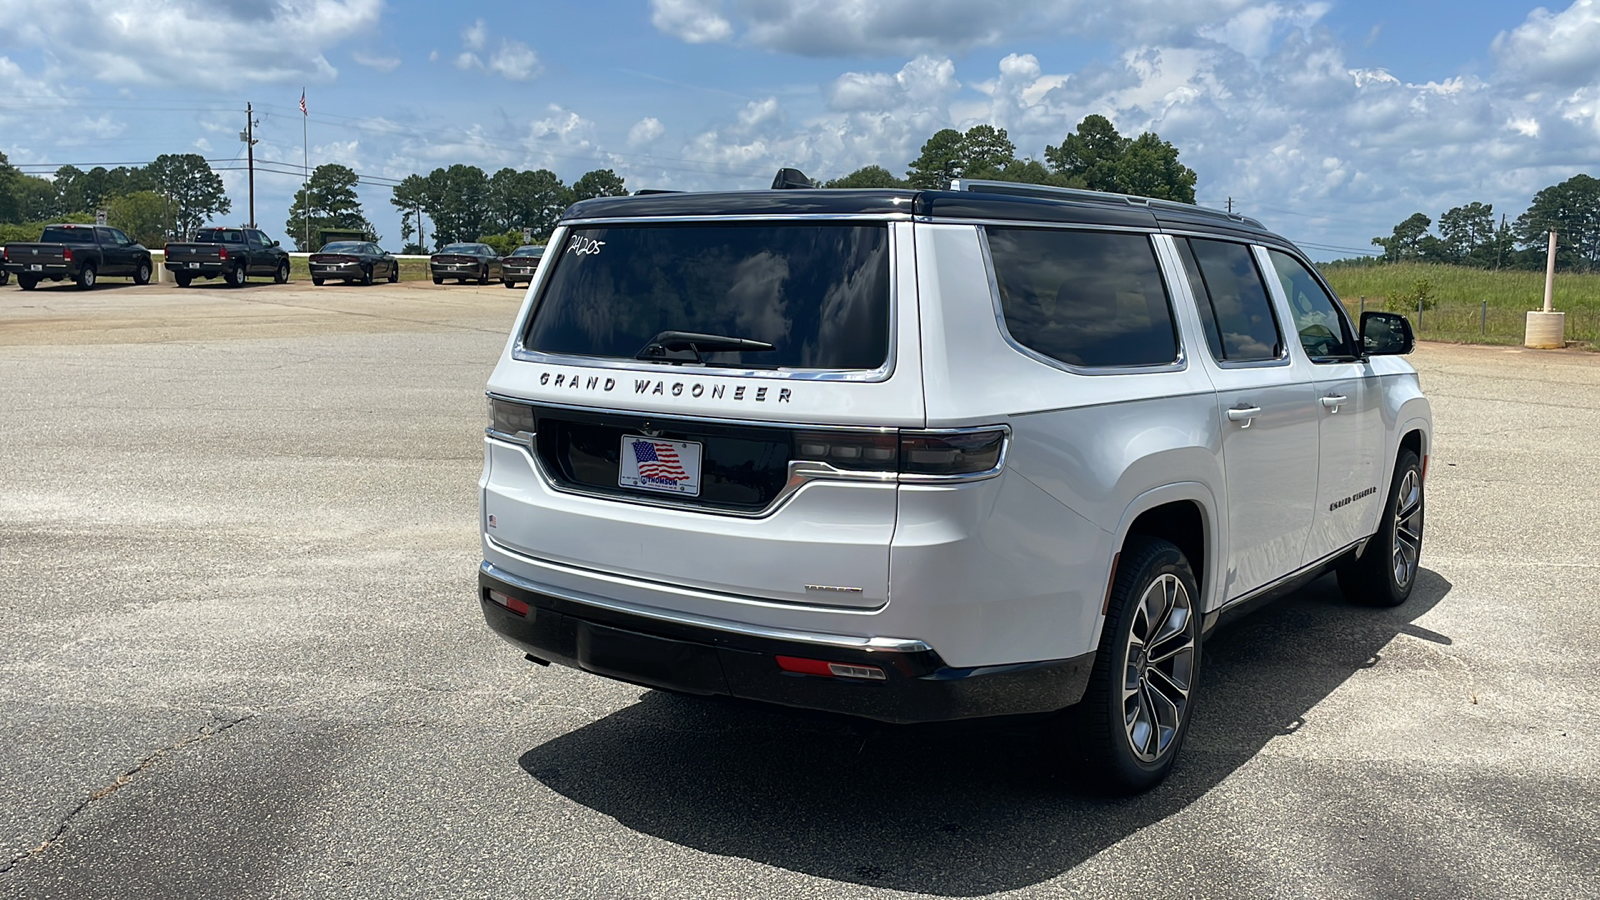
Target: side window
column 118, row 237
column 1232, row 299
column 253, row 239
column 103, row 235
column 1086, row 298
column 1323, row 331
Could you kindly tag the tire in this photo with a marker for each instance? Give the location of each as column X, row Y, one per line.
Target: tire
column 141, row 272
column 235, row 277
column 1386, row 571
column 438, row 280
column 510, row 285
column 86, row 279
column 183, row 279
column 1131, row 748
column 316, row 281
column 366, row 275
column 281, row 274
column 27, row 282
column 5, row 277
column 461, row 281
column 484, row 278
column 394, row 272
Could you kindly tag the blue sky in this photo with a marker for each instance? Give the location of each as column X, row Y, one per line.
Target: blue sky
column 1330, row 121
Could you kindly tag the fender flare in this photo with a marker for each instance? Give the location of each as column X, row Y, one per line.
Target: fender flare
column 1214, row 536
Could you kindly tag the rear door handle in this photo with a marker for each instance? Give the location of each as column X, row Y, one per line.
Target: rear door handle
column 1333, row 401
column 1243, row 414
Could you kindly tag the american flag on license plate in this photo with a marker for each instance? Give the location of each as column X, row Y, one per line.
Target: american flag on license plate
column 658, row 461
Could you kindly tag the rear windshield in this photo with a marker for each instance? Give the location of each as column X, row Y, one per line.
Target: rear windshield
column 528, row 251
column 344, row 247
column 465, row 249
column 67, row 236
column 218, row 236
column 819, row 293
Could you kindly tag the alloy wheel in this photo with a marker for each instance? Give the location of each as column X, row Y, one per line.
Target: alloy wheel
column 1159, row 670
column 1407, row 528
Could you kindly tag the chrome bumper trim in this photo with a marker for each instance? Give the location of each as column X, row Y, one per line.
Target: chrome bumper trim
column 901, row 645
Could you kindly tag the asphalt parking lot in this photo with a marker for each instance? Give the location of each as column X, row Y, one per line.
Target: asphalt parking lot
column 240, row 656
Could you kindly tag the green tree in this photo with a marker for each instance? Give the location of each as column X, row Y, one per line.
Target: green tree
column 328, row 200
column 1572, row 210
column 598, row 183
column 194, row 191
column 457, row 200
column 409, row 197
column 867, row 177
column 1407, row 240
column 942, row 159
column 1467, row 234
column 144, row 215
column 1101, row 159
column 532, row 200
column 1090, row 154
column 983, row 151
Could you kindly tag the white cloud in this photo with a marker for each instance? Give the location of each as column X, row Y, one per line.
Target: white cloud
column 511, row 60
column 282, row 42
column 693, row 21
column 383, row 64
column 1555, row 48
column 645, row 131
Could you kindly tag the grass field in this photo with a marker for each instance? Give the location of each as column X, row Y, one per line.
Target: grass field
column 1472, row 305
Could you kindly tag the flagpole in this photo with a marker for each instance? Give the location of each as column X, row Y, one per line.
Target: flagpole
column 305, row 174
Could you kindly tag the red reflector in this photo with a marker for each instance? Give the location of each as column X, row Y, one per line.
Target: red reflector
column 509, row 602
column 829, row 669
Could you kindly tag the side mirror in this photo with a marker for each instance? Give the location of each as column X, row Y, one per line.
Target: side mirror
column 1386, row 334
column 273, row 244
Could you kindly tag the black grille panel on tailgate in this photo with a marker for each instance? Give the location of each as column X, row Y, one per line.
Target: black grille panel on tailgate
column 743, row 467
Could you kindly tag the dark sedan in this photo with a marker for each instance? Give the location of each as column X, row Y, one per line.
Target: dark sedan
column 518, row 268
column 464, row 261
column 352, row 261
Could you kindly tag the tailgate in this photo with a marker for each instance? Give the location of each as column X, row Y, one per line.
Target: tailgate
column 35, row 254
column 193, row 253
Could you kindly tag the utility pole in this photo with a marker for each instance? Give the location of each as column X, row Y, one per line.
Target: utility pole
column 1499, row 242
column 422, row 246
column 1230, row 206
column 249, row 138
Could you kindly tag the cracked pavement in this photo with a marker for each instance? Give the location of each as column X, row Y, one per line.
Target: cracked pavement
column 240, row 656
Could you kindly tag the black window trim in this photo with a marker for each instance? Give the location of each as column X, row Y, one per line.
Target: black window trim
column 1351, row 333
column 558, row 240
column 1179, row 364
column 1283, row 358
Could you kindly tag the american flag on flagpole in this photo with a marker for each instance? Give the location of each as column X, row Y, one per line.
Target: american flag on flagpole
column 658, row 461
column 303, row 102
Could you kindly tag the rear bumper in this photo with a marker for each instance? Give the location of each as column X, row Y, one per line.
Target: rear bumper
column 693, row 655
column 337, row 270
column 202, row 270
column 44, row 270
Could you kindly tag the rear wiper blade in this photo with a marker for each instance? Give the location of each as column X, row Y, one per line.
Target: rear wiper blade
column 698, row 344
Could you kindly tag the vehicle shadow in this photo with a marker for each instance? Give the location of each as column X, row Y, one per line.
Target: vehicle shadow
column 952, row 810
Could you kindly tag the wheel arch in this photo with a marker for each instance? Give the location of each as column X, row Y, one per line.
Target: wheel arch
column 1184, row 513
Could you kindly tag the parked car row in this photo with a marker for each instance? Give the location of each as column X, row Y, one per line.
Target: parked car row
column 85, row 253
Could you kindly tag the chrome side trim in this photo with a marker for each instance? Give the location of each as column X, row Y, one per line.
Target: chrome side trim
column 820, row 639
column 1285, row 579
column 748, row 217
column 709, row 420
column 1181, row 363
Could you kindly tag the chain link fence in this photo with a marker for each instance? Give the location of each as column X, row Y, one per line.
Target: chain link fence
column 1480, row 323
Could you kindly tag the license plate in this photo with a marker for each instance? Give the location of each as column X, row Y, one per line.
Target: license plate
column 652, row 464
column 36, row 267
column 194, row 265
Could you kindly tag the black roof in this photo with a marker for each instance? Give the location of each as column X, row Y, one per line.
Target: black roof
column 1075, row 208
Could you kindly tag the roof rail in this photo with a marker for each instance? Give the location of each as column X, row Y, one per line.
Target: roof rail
column 1049, row 192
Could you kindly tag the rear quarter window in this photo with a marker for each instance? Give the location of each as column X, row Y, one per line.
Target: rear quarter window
column 1085, row 298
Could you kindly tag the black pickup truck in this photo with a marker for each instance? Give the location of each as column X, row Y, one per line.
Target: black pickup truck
column 81, row 253
column 233, row 253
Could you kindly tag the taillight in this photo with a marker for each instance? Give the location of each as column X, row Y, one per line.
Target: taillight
column 514, row 420
column 222, row 253
column 802, row 666
column 518, row 606
column 66, row 254
column 935, row 453
column 913, row 454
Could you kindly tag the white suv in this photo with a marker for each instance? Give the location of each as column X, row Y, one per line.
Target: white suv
column 925, row 455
